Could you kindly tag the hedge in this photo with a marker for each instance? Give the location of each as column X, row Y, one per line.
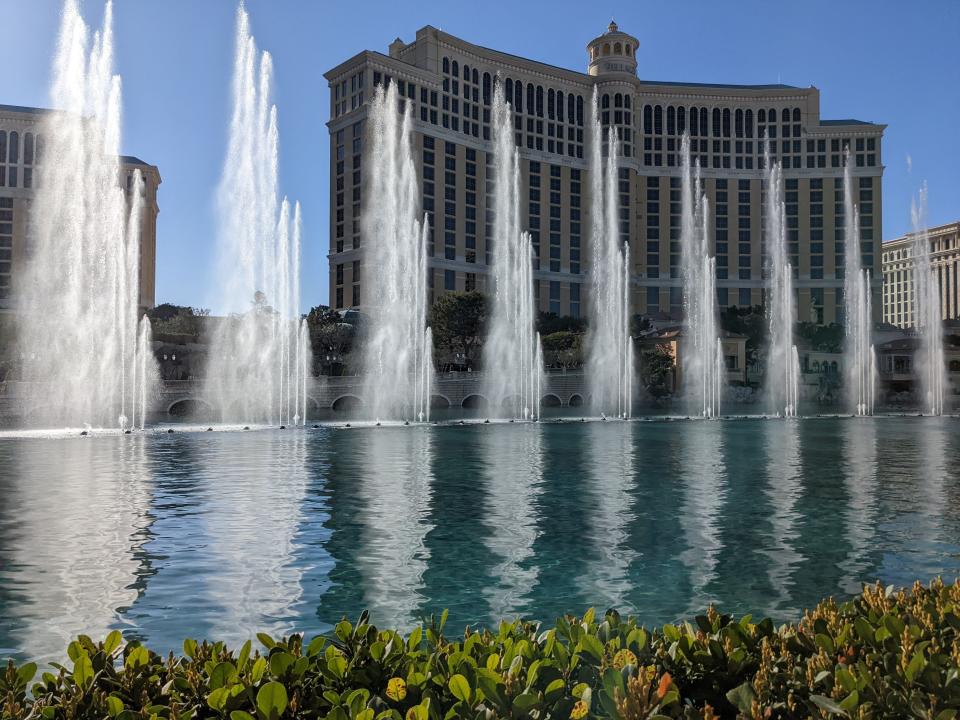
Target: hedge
column 883, row 654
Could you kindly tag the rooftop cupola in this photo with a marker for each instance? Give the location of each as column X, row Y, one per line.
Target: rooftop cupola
column 613, row 52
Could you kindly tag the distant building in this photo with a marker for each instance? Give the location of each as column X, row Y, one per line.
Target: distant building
column 20, row 142
column 898, row 274
column 448, row 82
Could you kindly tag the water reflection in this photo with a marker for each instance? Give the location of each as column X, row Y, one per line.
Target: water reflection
column 70, row 557
column 609, row 513
column 859, row 443
column 783, row 489
column 704, row 479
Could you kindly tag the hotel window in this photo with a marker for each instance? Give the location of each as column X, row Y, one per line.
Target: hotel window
column 449, row 280
column 555, row 297
column 653, row 299
column 744, row 299
column 575, row 300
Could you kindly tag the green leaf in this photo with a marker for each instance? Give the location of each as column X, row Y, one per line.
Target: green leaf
column 272, row 699
column 413, row 642
column 241, row 715
column 591, row 645
column 523, row 704
column 554, row 690
column 460, row 688
column 258, row 669
column 917, row 663
column 114, row 705
column 244, row 655
column 267, row 641
column 825, row 642
column 112, row 642
column 190, row 648
column 26, row 672
column 742, row 697
column 828, row 705
column 280, row 663
column 222, row 674
column 846, row 680
column 947, row 715
column 83, row 670
column 316, row 645
column 138, row 657
column 851, row 701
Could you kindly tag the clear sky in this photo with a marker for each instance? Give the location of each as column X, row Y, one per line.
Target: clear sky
column 878, row 60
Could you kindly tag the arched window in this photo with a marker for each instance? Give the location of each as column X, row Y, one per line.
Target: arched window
column 604, row 101
column 466, row 73
column 560, row 105
column 617, row 49
column 13, row 156
column 796, row 114
column 539, row 100
column 628, row 48
column 771, row 116
column 446, row 66
column 508, row 91
column 626, row 101
column 487, row 83
column 749, row 118
column 694, row 121
column 531, row 101
column 716, row 122
column 580, row 110
column 726, row 122
column 475, row 77
column 456, row 69
column 551, row 104
column 606, row 48
column 681, row 120
column 518, row 97
column 761, row 115
column 28, row 149
column 671, row 121
column 648, row 119
column 738, row 122
column 3, row 145
column 658, row 120
column 618, row 100
column 703, row 121
column 785, row 116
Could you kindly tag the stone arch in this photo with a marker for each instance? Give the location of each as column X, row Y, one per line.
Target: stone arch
column 474, row 400
column 576, row 400
column 189, row 407
column 346, row 403
column 550, row 400
column 439, row 402
column 606, row 48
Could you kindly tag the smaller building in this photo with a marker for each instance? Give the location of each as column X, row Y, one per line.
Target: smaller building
column 669, row 339
column 897, row 259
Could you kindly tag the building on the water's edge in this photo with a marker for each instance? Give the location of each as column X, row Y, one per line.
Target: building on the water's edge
column 449, row 83
column 21, row 142
column 897, row 258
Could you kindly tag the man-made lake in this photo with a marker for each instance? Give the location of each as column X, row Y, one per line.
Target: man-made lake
column 224, row 534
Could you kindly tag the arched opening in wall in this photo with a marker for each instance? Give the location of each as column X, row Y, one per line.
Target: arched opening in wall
column 439, row 402
column 550, row 400
column 606, row 48
column 190, row 408
column 347, row 403
column 474, row 401
column 617, row 49
column 576, row 400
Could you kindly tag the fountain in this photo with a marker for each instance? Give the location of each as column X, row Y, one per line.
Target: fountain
column 255, row 357
column 931, row 364
column 512, row 354
column 860, row 360
column 610, row 359
column 783, row 360
column 701, row 352
column 399, row 350
column 78, row 300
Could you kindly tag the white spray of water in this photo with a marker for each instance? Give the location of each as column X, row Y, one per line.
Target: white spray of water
column 610, row 359
column 859, row 356
column 79, row 296
column 930, row 360
column 399, row 350
column 254, row 355
column 783, row 360
column 513, row 356
column 701, row 351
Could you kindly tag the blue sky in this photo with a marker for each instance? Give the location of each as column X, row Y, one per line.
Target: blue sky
column 879, row 60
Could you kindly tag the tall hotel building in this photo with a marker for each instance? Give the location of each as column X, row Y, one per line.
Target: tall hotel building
column 449, row 84
column 898, row 286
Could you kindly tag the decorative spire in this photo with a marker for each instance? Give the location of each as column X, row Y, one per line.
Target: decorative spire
column 612, row 27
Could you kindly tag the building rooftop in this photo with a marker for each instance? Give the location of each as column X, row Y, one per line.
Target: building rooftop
column 847, row 121
column 23, row 109
column 728, row 86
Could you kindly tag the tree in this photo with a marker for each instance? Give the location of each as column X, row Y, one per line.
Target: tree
column 170, row 319
column 823, row 338
column 748, row 321
column 457, row 321
column 549, row 323
column 656, row 370
column 563, row 349
column 331, row 340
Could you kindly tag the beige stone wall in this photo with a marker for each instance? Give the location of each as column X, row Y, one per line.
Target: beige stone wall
column 898, row 285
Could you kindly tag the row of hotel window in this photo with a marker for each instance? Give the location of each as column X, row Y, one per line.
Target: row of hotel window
column 17, row 150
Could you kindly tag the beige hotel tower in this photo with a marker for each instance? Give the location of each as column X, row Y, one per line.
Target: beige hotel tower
column 449, row 84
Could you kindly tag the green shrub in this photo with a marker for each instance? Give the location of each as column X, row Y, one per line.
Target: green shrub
column 883, row 654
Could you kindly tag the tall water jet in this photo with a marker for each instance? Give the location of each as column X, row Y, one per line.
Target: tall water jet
column 399, row 350
column 860, row 368
column 701, row 352
column 930, row 360
column 77, row 304
column 512, row 355
column 610, row 358
column 254, row 353
column 783, row 361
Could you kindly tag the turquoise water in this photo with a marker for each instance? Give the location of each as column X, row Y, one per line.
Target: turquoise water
column 225, row 534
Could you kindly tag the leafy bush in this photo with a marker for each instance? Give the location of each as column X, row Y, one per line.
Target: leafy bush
column 883, row 654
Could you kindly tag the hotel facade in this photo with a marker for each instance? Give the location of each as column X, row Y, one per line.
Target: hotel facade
column 21, row 143
column 448, row 85
column 898, row 290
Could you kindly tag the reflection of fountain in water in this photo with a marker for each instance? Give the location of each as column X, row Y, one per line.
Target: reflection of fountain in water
column 783, row 490
column 514, row 464
column 705, row 490
column 395, row 491
column 73, row 548
column 860, row 453
column 251, row 527
column 611, row 477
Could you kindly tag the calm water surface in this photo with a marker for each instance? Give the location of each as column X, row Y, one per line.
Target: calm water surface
column 229, row 533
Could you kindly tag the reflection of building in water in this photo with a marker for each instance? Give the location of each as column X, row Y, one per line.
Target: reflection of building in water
column 72, row 551
column 252, row 524
column 611, row 477
column 514, row 464
column 394, row 497
column 705, row 489
column 860, row 451
column 783, row 489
